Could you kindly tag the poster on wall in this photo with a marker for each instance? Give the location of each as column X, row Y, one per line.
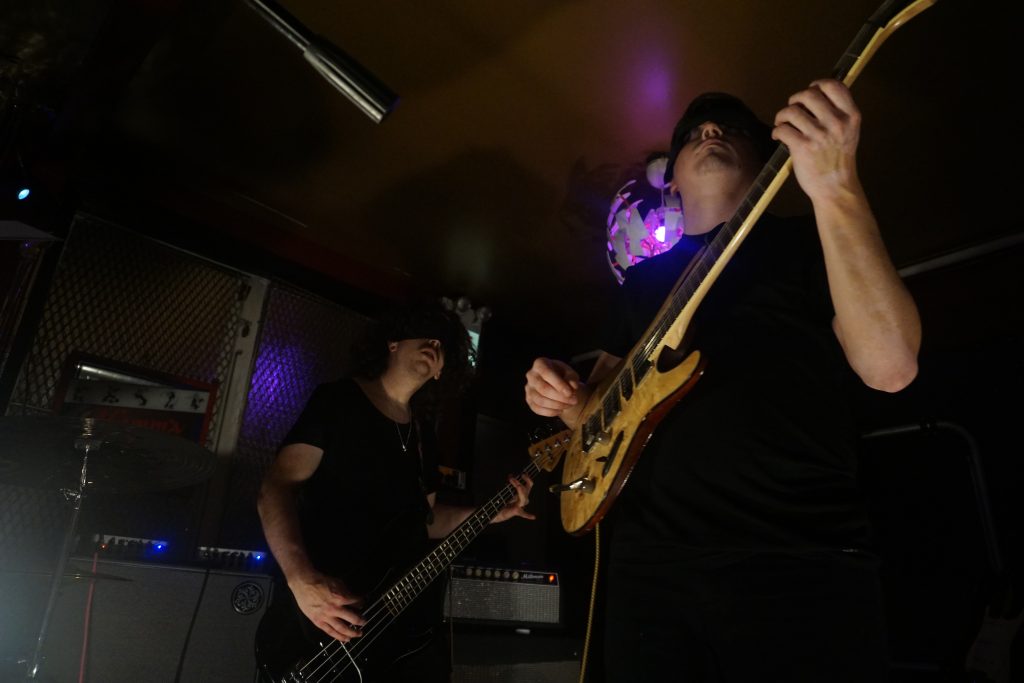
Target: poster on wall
column 116, row 392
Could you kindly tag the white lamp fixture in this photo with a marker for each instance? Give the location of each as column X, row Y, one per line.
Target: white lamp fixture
column 633, row 237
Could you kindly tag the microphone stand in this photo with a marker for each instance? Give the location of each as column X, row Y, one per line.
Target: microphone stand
column 347, row 75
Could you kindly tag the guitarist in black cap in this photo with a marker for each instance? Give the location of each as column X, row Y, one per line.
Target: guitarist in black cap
column 737, row 547
column 351, row 495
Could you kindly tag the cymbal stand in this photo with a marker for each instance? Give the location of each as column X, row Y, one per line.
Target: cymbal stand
column 85, row 443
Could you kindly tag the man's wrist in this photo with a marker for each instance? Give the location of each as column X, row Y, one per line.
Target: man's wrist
column 299, row 572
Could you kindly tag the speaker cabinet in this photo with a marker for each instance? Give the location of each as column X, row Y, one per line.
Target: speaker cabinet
column 505, row 656
column 142, row 622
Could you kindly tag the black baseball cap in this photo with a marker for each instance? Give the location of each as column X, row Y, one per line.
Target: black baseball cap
column 724, row 109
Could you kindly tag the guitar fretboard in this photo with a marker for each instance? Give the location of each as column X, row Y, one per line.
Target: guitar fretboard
column 401, row 594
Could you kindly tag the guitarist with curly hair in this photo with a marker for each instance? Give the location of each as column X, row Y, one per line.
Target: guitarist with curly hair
column 351, row 497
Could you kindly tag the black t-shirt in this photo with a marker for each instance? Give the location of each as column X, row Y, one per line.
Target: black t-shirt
column 760, row 455
column 364, row 510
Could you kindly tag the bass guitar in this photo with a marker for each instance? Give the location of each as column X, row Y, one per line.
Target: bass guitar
column 623, row 410
column 291, row 649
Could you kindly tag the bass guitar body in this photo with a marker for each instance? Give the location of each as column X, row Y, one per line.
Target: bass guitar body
column 287, row 644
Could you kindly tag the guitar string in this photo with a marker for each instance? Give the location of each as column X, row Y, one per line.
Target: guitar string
column 377, row 628
column 505, row 496
column 359, row 671
column 684, row 290
column 369, row 636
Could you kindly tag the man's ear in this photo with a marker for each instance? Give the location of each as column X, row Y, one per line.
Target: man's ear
column 392, row 346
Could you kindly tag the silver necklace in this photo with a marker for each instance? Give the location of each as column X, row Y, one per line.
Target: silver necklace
column 408, row 435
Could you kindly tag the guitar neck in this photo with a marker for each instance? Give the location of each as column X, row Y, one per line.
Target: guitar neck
column 400, row 594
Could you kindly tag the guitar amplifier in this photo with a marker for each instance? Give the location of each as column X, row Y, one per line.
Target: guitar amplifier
column 503, row 596
column 138, row 622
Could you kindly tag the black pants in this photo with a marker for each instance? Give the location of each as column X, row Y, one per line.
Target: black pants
column 767, row 618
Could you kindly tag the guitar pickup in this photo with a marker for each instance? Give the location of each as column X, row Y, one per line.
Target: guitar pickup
column 592, row 433
column 626, row 385
column 612, row 407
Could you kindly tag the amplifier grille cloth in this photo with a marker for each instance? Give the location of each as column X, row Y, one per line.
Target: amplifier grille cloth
column 507, row 601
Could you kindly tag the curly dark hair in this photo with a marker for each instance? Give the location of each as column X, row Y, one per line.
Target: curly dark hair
column 426, row 319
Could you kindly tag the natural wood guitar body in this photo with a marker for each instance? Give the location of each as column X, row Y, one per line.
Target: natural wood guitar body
column 610, row 461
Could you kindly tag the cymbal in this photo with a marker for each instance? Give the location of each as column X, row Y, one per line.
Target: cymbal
column 46, row 452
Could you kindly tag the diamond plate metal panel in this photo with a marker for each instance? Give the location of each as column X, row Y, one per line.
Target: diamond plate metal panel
column 127, row 298
column 304, row 340
column 121, row 296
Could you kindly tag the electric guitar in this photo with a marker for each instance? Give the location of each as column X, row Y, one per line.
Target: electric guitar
column 622, row 412
column 291, row 649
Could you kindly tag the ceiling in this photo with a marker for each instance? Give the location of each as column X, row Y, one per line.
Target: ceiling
column 493, row 176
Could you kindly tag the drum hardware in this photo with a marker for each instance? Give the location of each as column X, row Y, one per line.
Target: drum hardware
column 109, row 456
column 74, row 574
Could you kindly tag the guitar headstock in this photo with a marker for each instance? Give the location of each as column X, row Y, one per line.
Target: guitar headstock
column 546, row 452
column 879, row 26
column 894, row 13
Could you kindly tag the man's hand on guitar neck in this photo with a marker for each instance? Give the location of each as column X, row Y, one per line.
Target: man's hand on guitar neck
column 553, row 389
column 328, row 603
column 517, row 507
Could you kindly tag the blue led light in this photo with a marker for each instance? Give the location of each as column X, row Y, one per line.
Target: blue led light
column 24, row 192
column 159, row 546
column 259, row 556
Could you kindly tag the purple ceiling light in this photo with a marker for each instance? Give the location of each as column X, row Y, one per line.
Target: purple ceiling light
column 633, row 237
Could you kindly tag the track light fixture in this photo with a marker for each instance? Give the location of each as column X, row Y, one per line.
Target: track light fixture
column 354, row 81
